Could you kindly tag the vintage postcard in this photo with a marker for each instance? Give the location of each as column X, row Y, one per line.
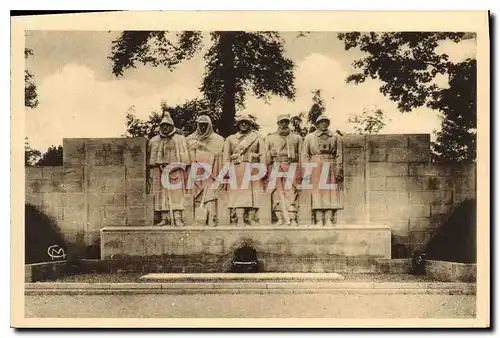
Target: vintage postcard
column 251, row 169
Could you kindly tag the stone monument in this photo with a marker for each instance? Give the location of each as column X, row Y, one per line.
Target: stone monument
column 166, row 151
column 204, row 180
column 206, row 148
column 241, row 150
column 324, row 148
column 283, row 152
column 395, row 199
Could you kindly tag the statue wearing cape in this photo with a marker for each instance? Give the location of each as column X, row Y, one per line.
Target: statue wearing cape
column 206, row 147
column 164, row 150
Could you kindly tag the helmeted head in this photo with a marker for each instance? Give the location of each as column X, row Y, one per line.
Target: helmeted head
column 204, row 126
column 167, row 127
column 243, row 122
column 283, row 121
column 322, row 122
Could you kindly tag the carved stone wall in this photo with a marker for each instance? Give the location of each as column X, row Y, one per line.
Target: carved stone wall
column 389, row 180
column 101, row 183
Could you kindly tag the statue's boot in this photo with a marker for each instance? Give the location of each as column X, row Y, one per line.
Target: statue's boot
column 178, row 218
column 211, row 222
column 212, row 215
column 157, row 217
column 251, row 217
column 293, row 219
column 334, row 218
column 328, row 218
column 164, row 219
column 240, row 217
column 318, row 215
column 279, row 215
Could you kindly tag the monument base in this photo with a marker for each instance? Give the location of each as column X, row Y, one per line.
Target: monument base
column 342, row 248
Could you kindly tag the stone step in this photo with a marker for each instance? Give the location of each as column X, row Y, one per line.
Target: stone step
column 264, row 287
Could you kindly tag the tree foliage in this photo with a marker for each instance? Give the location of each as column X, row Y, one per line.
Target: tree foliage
column 183, row 115
column 31, row 156
column 136, row 127
column 34, row 158
column 408, row 64
column 153, row 47
column 236, row 63
column 368, row 122
column 317, row 108
column 303, row 123
column 456, row 141
column 52, row 157
column 298, row 125
column 30, row 93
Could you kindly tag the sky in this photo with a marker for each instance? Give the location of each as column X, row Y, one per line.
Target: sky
column 80, row 97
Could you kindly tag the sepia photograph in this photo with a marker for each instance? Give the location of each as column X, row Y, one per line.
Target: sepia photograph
column 272, row 169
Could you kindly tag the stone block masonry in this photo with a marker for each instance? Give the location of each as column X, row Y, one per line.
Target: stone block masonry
column 102, row 183
column 393, row 182
column 389, row 180
column 280, row 249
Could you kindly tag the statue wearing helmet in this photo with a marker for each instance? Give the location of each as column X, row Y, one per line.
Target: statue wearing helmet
column 324, row 148
column 283, row 150
column 240, row 150
column 168, row 148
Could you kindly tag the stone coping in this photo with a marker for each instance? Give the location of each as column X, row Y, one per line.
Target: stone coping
column 251, row 287
column 46, row 263
column 247, row 228
column 435, row 261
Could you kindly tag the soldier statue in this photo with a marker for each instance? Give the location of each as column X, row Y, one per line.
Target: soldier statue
column 206, row 148
column 167, row 183
column 283, row 149
column 325, row 149
column 241, row 149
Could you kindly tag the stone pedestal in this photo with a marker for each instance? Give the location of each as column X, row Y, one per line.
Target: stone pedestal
column 280, row 249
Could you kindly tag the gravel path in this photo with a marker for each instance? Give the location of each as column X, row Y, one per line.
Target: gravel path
column 251, row 306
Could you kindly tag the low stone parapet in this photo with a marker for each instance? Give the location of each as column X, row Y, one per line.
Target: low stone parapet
column 451, row 271
column 279, row 249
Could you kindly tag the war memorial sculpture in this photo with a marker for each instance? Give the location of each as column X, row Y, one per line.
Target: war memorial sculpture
column 206, row 148
column 283, row 151
column 245, row 166
column 166, row 148
column 324, row 202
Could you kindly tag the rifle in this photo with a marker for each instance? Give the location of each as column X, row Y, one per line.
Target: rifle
column 169, row 197
column 281, row 195
column 245, row 149
column 284, row 209
column 172, row 222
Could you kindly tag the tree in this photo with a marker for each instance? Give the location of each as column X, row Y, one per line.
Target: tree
column 34, row 158
column 317, row 108
column 408, row 64
column 31, row 156
column 184, row 117
column 297, row 122
column 236, row 62
column 456, row 141
column 303, row 122
column 52, row 157
column 30, row 93
column 368, row 122
column 136, row 127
